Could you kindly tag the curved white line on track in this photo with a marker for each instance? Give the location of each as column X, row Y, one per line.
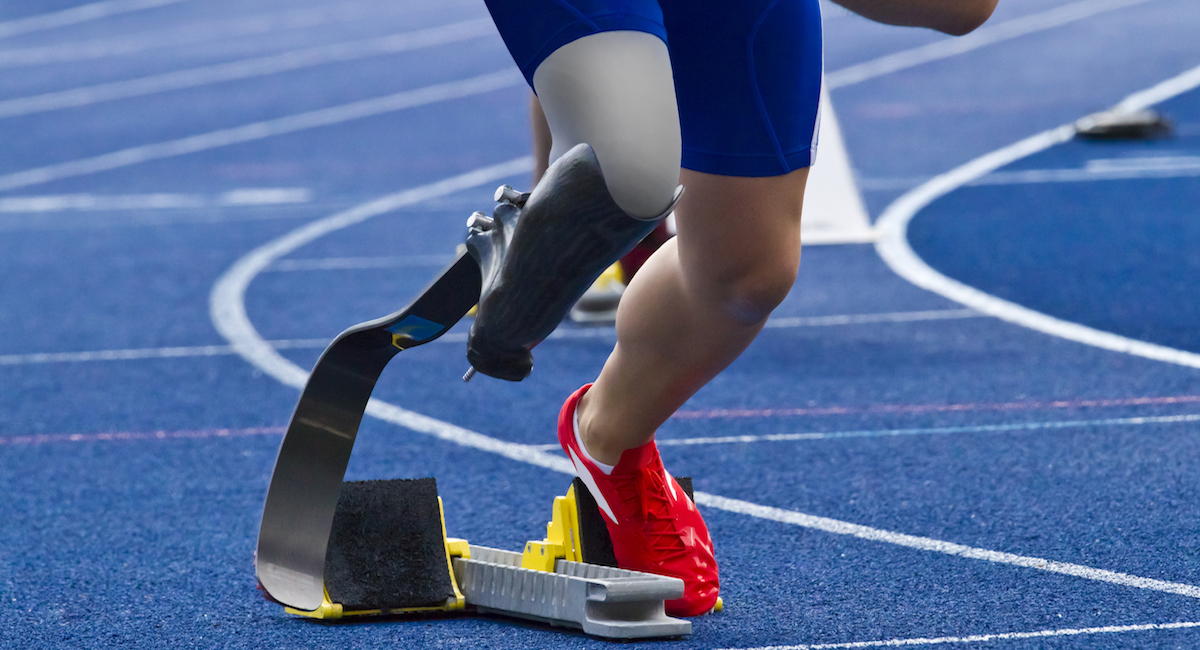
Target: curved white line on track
column 76, row 15
column 228, row 311
column 226, row 302
column 506, row 78
column 895, row 250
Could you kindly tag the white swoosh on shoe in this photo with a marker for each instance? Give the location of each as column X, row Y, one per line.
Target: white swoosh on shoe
column 586, row 476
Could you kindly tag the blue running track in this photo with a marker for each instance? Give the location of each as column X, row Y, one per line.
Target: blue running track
column 885, row 466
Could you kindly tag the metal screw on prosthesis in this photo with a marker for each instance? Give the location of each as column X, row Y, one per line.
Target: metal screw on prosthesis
column 506, row 194
column 479, row 222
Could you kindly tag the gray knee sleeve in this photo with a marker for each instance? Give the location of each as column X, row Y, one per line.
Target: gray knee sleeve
column 614, row 91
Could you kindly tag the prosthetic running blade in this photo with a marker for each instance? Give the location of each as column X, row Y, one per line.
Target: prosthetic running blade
column 303, row 495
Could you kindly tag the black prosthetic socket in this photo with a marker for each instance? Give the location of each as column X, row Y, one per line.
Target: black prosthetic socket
column 540, row 254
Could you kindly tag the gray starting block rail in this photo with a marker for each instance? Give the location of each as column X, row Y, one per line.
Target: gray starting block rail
column 602, row 601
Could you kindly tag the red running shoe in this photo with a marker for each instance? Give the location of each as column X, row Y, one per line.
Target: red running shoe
column 653, row 524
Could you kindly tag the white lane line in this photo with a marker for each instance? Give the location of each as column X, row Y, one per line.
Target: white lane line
column 984, row 36
column 93, row 202
column 895, row 250
column 1159, row 92
column 1034, row 176
column 114, row 436
column 76, row 221
column 76, row 15
column 506, row 78
column 115, row 355
column 248, row 196
column 960, row 407
column 248, row 68
column 354, row 263
column 880, row 433
column 840, row 78
column 985, row 428
column 983, row 638
column 788, row 322
column 174, row 36
column 865, row 319
column 131, row 354
column 1143, row 164
column 939, row 546
column 228, row 312
column 1102, row 169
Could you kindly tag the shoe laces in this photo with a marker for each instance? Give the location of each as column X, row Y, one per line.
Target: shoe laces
column 647, row 488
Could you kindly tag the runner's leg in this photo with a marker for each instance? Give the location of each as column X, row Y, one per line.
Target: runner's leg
column 696, row 304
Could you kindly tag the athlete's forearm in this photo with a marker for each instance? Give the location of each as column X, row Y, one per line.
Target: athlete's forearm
column 955, row 17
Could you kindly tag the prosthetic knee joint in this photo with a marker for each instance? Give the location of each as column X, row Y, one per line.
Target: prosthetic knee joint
column 538, row 255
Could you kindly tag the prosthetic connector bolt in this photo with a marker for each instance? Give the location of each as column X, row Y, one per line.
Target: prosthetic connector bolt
column 479, row 222
column 507, row 194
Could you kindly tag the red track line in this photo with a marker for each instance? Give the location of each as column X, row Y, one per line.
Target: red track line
column 43, row 438
column 934, row 408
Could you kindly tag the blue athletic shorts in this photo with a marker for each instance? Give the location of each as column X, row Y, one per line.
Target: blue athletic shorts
column 747, row 72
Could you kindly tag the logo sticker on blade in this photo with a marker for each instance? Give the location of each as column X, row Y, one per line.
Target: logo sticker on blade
column 413, row 329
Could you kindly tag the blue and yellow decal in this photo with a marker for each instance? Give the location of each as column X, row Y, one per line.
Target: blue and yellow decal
column 413, row 330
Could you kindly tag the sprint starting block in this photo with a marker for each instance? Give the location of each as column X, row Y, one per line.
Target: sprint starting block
column 388, row 554
column 331, row 550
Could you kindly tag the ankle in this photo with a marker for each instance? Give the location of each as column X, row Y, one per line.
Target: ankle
column 598, row 446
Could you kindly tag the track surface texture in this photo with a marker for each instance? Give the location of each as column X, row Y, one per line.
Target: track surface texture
column 195, row 197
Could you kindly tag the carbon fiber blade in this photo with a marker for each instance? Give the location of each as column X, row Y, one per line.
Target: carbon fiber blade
column 307, row 480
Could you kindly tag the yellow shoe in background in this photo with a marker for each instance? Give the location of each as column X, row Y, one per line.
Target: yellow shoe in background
column 598, row 305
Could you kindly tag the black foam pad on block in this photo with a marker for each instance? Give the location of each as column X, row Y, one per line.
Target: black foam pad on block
column 685, row 482
column 596, row 545
column 593, row 532
column 387, row 549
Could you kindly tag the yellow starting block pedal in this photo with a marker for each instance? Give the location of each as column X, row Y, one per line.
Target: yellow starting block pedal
column 562, row 540
column 577, row 533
